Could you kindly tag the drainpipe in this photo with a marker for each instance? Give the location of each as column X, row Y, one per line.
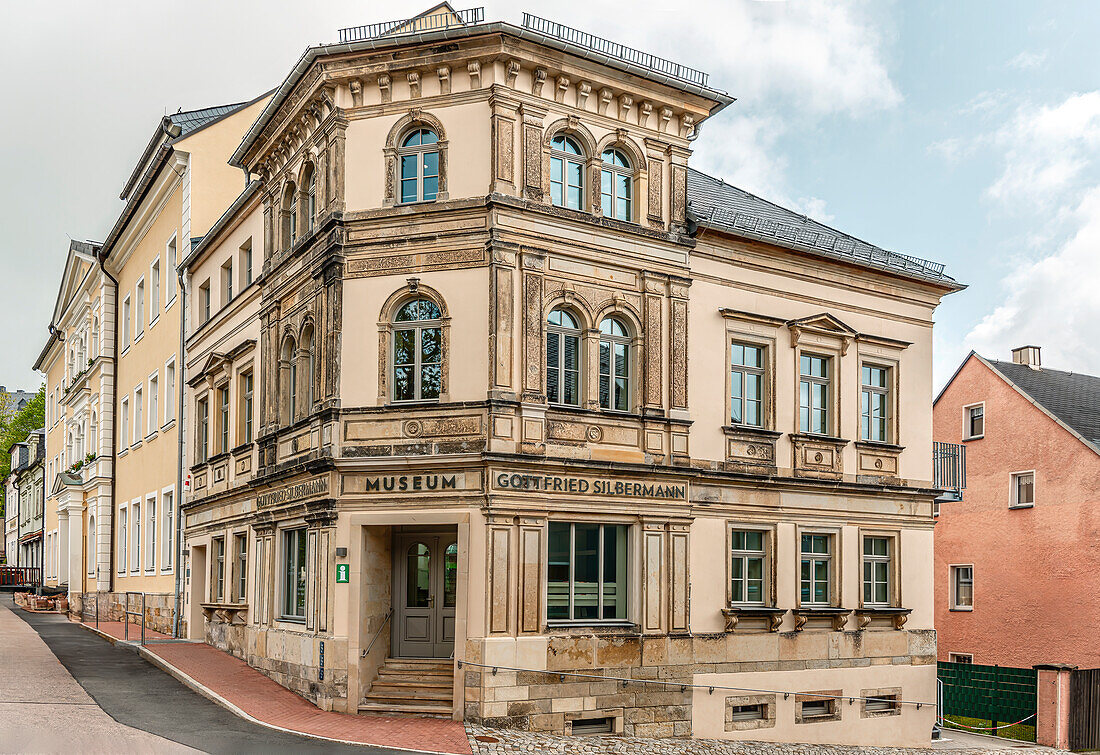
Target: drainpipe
column 114, row 445
column 181, row 376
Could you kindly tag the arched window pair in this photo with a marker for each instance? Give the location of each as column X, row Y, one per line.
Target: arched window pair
column 295, row 204
column 417, row 351
column 563, row 361
column 567, row 161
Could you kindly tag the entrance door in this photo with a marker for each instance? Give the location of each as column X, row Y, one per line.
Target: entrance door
column 426, row 566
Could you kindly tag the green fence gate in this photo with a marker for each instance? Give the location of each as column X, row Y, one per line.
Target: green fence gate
column 998, row 694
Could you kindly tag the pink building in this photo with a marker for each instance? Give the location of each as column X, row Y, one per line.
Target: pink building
column 1018, row 558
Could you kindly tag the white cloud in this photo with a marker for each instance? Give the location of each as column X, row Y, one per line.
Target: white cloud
column 1026, row 61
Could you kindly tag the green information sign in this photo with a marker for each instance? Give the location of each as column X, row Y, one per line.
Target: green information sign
column 341, row 573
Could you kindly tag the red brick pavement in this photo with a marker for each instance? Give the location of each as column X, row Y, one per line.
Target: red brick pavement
column 117, row 630
column 264, row 699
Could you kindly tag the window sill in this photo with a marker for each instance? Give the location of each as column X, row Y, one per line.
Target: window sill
column 151, row 435
column 895, row 615
column 879, row 445
column 591, row 625
column 819, row 438
column 837, row 617
column 761, row 432
column 963, row 609
column 139, row 336
column 135, row 444
column 1021, row 506
column 168, row 425
column 735, row 612
column 154, row 321
column 974, row 437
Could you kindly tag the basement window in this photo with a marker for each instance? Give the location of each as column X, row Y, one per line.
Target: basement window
column 589, row 726
column 817, row 706
column 748, row 712
column 883, row 704
column 884, row 701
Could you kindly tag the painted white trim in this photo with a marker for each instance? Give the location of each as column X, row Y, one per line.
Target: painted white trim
column 1013, row 501
column 951, row 604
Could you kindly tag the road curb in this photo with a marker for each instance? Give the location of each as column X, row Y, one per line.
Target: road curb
column 201, row 689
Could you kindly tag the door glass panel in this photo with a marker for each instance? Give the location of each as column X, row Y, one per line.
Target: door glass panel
column 417, row 576
column 450, row 575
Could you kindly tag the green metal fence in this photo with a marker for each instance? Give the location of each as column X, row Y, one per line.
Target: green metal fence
column 999, row 694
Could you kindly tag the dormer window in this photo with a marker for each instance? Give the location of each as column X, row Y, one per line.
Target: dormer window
column 419, row 155
column 566, row 173
column 617, row 186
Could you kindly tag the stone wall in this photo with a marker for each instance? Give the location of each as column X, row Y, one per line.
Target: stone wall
column 158, row 609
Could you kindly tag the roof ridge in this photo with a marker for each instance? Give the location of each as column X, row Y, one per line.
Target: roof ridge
column 1049, row 369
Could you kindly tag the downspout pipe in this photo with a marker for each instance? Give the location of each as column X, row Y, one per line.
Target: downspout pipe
column 181, row 374
column 114, row 442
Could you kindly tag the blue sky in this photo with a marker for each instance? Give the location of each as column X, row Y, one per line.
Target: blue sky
column 963, row 132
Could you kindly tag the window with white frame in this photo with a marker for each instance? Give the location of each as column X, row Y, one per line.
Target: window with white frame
column 875, row 403
column 126, row 322
column 877, row 566
column 167, row 498
column 139, row 405
column 223, row 418
column 816, row 569
column 151, row 533
column 154, row 290
column 419, row 159
column 170, row 270
column 746, row 384
column 962, row 587
column 587, row 572
column 139, row 309
column 748, row 567
column 616, row 186
column 814, row 393
column 245, row 402
column 90, row 549
column 566, row 172
column 614, row 367
column 241, row 566
column 960, row 657
column 169, row 392
column 135, row 534
column 217, row 588
column 563, row 358
column 203, row 440
column 204, row 302
column 227, row 282
column 124, row 423
column 974, row 422
column 246, row 263
column 417, row 351
column 1022, row 494
column 154, row 403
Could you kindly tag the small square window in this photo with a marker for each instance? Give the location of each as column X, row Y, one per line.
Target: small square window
column 975, row 422
column 1023, row 490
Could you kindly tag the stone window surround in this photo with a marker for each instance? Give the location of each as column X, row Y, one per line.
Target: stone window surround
column 280, row 620
column 414, row 118
column 414, row 289
column 893, row 390
column 894, row 536
column 767, row 722
column 836, row 550
column 753, row 330
column 769, row 530
column 833, row 355
column 895, row 710
column 827, row 694
column 633, row 579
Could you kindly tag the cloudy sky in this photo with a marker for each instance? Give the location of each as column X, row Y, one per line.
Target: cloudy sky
column 967, row 133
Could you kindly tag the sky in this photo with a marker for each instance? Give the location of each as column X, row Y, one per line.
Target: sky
column 963, row 132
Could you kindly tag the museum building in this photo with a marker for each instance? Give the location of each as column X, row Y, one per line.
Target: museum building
column 517, row 418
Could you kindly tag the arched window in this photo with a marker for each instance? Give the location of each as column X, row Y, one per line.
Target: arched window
column 290, row 215
column 563, row 360
column 614, row 365
column 311, row 196
column 309, row 365
column 290, row 383
column 95, row 338
column 91, row 544
column 92, row 447
column 417, row 351
column 419, row 156
column 617, row 186
column 566, row 172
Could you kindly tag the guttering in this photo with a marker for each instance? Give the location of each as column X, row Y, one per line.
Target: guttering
column 181, row 372
column 496, row 27
column 101, row 259
column 219, row 225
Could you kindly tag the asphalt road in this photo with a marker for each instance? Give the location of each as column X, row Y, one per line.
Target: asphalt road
column 129, row 690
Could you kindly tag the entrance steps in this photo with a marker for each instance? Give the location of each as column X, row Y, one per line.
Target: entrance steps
column 412, row 685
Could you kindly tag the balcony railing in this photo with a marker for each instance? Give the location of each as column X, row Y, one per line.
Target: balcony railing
column 949, row 469
column 613, row 49
column 435, row 22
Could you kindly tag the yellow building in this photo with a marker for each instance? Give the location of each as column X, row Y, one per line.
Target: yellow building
column 512, row 397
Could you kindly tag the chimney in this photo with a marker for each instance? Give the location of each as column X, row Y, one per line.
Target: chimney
column 1028, row 355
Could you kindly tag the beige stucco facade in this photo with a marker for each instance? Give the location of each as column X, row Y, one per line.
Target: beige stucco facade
column 358, row 530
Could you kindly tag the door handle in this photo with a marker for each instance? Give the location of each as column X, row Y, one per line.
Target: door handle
column 431, row 601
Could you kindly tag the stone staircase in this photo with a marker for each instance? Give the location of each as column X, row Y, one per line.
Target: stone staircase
column 412, row 685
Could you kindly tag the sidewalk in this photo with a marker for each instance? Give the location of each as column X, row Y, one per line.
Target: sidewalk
column 244, row 690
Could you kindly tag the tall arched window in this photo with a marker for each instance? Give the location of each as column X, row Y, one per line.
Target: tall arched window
column 92, row 447
column 417, row 351
column 419, row 156
column 95, row 338
column 614, row 365
column 311, row 196
column 617, row 186
column 90, row 540
column 290, row 215
column 566, row 172
column 290, row 384
column 309, row 364
column 563, row 360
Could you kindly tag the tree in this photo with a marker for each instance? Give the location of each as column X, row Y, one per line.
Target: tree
column 16, row 427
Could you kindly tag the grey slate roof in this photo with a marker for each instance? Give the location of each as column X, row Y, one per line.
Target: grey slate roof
column 715, row 204
column 1070, row 396
column 193, row 120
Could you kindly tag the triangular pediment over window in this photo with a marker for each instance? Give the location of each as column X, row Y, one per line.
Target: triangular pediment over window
column 823, row 322
column 64, row 480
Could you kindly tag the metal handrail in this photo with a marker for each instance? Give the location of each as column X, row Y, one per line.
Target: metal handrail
column 613, row 49
column 415, row 25
column 378, row 632
column 127, row 613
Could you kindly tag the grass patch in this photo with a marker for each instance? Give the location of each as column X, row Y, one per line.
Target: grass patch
column 1020, row 732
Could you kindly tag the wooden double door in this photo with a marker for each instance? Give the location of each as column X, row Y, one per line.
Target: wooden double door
column 425, row 591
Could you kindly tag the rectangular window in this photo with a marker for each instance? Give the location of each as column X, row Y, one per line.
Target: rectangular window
column 203, row 412
column 135, row 532
column 217, row 593
column 139, row 406
column 587, row 572
column 204, row 302
column 816, row 571
column 960, row 657
column 876, row 570
column 818, row 709
column 746, row 385
column 154, row 400
column 126, row 322
column 123, row 539
column 139, row 309
column 170, row 270
column 755, row 712
column 962, row 588
column 875, row 403
column 151, row 533
column 748, row 567
column 227, row 282
column 124, row 424
column 169, row 533
column 223, row 419
column 246, row 263
column 294, row 574
column 975, row 422
column 169, row 392
column 881, row 704
column 241, row 547
column 246, row 398
column 814, row 394
column 154, row 290
column 1023, row 490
